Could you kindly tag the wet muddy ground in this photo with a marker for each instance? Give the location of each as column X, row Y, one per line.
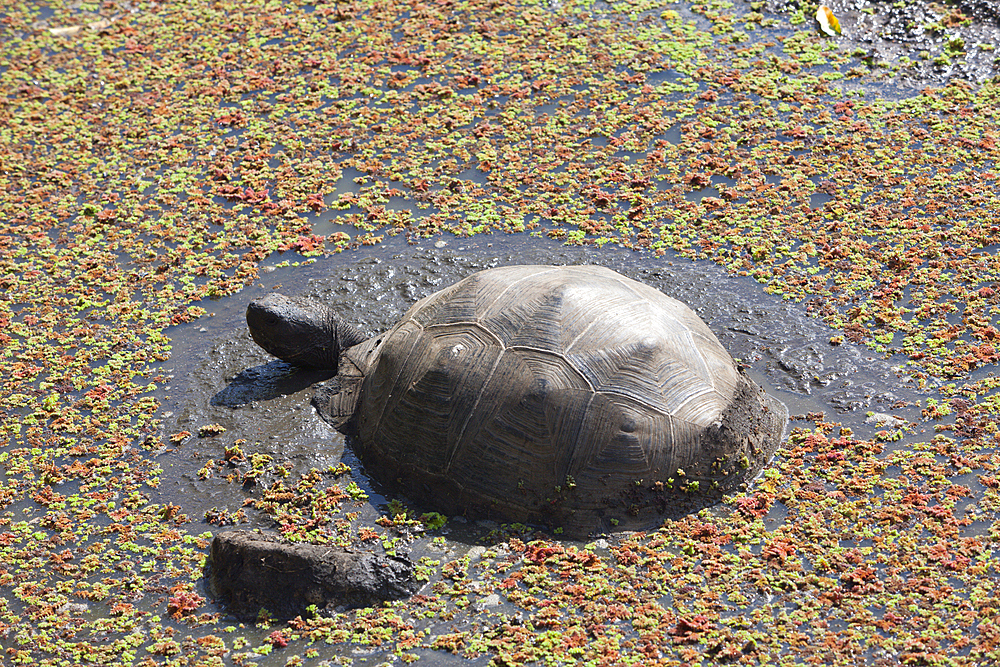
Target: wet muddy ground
column 913, row 44
column 220, row 377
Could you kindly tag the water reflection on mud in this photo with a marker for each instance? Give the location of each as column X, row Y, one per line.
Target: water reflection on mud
column 221, row 377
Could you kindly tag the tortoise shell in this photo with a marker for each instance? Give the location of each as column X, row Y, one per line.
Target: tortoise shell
column 570, row 396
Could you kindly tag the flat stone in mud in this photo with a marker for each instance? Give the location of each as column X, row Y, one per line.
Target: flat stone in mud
column 251, row 571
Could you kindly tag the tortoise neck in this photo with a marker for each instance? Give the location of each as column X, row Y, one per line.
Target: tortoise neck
column 341, row 336
column 347, row 335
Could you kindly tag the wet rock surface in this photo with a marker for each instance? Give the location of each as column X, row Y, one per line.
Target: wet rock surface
column 252, row 571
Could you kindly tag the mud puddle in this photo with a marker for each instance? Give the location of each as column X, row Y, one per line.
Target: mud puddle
column 911, row 44
column 220, row 377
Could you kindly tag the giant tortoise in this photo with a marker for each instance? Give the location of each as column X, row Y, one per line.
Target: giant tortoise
column 569, row 396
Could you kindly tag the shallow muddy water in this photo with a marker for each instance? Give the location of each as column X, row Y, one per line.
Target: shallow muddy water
column 219, row 376
column 909, row 45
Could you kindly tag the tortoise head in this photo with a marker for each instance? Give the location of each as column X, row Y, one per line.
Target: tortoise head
column 300, row 331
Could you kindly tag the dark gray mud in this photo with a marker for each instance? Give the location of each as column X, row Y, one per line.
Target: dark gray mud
column 219, row 376
column 912, row 44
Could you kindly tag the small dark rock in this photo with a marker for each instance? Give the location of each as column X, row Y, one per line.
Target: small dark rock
column 251, row 571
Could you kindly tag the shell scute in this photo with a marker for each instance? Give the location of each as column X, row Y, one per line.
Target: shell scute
column 451, row 305
column 656, row 376
column 527, row 424
column 430, row 383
